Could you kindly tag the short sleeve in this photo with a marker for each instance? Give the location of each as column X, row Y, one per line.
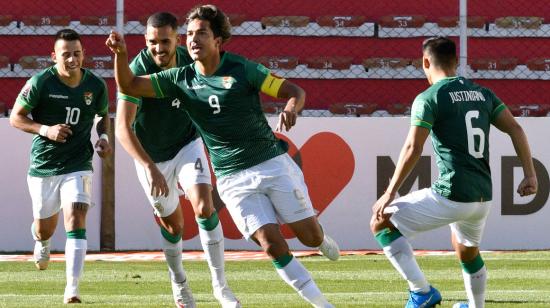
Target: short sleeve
column 497, row 106
column 103, row 100
column 29, row 95
column 422, row 113
column 165, row 83
column 129, row 98
column 256, row 73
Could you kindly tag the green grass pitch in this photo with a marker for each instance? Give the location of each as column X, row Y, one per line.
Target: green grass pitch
column 519, row 279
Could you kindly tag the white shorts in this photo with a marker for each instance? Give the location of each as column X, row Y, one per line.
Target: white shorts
column 425, row 210
column 189, row 167
column 265, row 194
column 50, row 194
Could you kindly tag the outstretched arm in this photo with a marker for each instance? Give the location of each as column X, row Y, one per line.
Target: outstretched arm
column 506, row 123
column 410, row 153
column 127, row 82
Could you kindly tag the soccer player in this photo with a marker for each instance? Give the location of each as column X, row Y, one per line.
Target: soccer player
column 165, row 146
column 63, row 100
column 458, row 113
column 257, row 180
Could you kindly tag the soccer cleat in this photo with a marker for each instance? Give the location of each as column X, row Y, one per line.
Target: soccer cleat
column 41, row 254
column 72, row 300
column 329, row 249
column 424, row 300
column 226, row 298
column 182, row 294
column 461, row 305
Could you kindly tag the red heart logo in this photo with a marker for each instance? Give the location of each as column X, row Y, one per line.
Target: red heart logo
column 327, row 162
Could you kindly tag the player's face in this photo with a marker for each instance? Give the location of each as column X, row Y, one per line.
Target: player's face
column 162, row 43
column 201, row 42
column 68, row 56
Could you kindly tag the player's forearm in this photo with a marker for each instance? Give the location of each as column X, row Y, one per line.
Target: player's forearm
column 123, row 75
column 24, row 123
column 103, row 126
column 131, row 144
column 521, row 145
column 410, row 153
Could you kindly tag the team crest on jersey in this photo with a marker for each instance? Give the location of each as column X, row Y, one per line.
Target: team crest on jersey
column 228, row 82
column 88, row 97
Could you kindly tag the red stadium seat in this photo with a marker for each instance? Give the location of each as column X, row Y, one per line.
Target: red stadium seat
column 513, row 22
column 386, row 62
column 35, row 20
column 98, row 62
column 4, row 62
column 532, row 110
column 285, row 21
column 273, row 107
column 452, row 22
column 5, row 20
column 334, row 63
column 539, row 64
column 417, row 63
column 236, row 19
column 340, row 21
column 35, row 62
column 398, row 109
column 402, row 21
column 3, row 109
column 278, row 62
column 494, row 64
column 356, row 109
column 109, row 20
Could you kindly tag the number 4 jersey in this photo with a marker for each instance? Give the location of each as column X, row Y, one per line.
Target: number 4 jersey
column 459, row 114
column 52, row 102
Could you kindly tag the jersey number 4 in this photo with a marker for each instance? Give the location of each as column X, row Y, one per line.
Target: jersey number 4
column 472, row 133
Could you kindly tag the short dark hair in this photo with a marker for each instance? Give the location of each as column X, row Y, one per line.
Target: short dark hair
column 67, row 35
column 441, row 50
column 219, row 23
column 163, row 19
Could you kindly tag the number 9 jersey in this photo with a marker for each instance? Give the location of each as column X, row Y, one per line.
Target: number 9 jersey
column 52, row 102
column 459, row 114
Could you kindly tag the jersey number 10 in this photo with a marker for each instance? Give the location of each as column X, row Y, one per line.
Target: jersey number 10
column 73, row 115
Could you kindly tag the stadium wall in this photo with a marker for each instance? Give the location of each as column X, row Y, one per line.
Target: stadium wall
column 346, row 161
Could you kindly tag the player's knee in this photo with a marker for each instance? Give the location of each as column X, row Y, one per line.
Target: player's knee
column 175, row 229
column 203, row 209
column 44, row 234
column 312, row 239
column 272, row 243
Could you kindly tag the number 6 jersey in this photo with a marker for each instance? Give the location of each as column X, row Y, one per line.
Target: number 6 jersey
column 52, row 102
column 459, row 114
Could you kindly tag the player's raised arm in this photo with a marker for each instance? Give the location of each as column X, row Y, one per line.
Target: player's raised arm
column 296, row 98
column 506, row 123
column 126, row 81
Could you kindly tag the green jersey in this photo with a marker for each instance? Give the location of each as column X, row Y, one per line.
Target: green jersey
column 459, row 114
column 52, row 102
column 160, row 127
column 226, row 109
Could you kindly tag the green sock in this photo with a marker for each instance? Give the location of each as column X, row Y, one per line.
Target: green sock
column 385, row 236
column 209, row 223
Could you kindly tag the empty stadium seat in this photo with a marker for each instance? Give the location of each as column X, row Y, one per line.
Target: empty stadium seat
column 5, row 20
column 334, row 63
column 46, row 20
column 273, row 107
column 278, row 62
column 532, row 110
column 452, row 22
column 385, row 63
column 284, row 21
column 236, row 19
column 4, row 62
column 539, row 64
column 494, row 64
column 35, row 62
column 98, row 62
column 355, row 109
column 398, row 109
column 514, row 22
column 109, row 20
column 340, row 21
column 3, row 110
column 402, row 21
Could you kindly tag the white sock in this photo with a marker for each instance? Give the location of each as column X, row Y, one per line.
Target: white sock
column 212, row 244
column 475, row 287
column 401, row 256
column 75, row 253
column 295, row 274
column 172, row 253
